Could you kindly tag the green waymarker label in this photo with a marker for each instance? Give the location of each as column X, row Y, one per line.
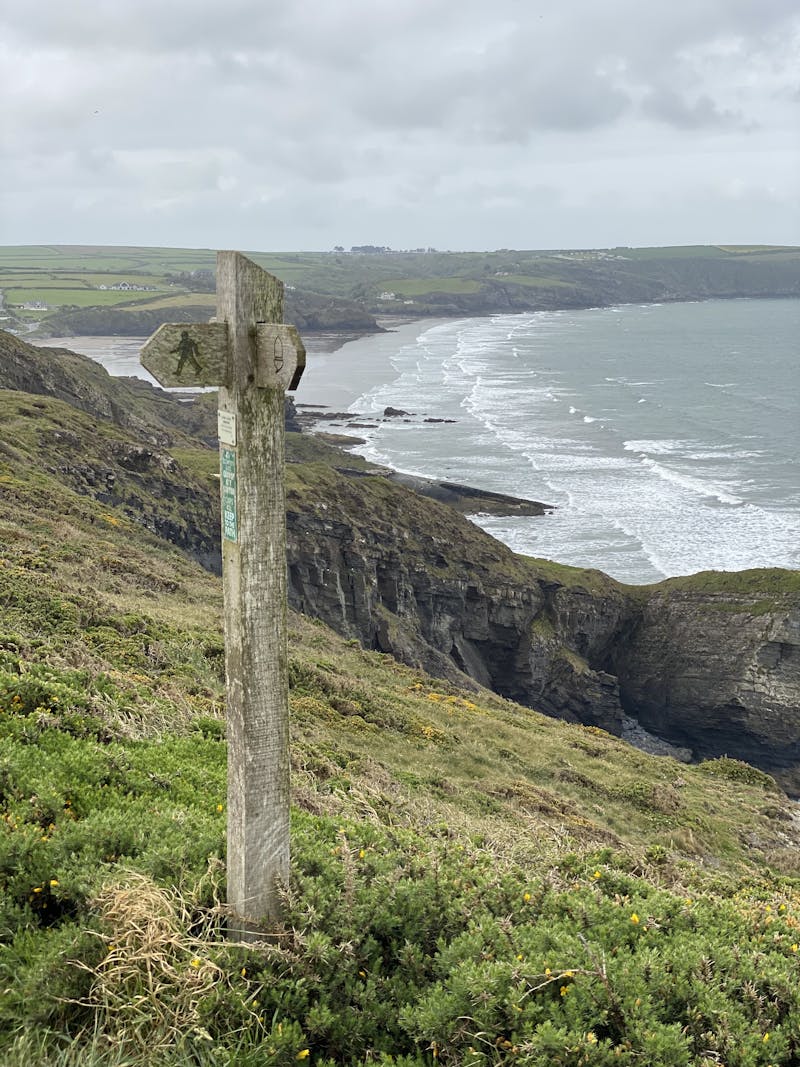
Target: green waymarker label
column 230, row 524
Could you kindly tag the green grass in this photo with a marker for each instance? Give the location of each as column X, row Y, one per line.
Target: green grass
column 765, row 586
column 472, row 883
column 56, row 297
column 541, row 278
column 469, row 878
column 15, row 277
column 578, row 577
column 703, row 251
column 538, row 282
column 424, row 286
column 149, row 302
column 113, row 259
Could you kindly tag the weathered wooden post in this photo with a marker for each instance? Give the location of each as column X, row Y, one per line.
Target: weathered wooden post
column 253, row 358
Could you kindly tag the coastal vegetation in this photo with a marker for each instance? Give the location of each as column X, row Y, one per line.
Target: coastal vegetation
column 473, row 883
column 67, row 290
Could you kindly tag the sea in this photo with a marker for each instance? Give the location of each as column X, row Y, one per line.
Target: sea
column 664, row 437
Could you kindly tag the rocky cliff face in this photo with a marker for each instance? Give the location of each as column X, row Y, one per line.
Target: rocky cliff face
column 714, row 663
column 710, row 663
column 408, row 576
column 146, row 411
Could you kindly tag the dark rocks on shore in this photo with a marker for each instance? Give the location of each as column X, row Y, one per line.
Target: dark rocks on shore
column 321, row 414
column 467, row 499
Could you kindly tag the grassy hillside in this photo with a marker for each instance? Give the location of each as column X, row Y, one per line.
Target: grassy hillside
column 53, row 286
column 472, row 883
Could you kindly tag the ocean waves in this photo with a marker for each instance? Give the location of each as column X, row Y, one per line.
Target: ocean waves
column 644, row 428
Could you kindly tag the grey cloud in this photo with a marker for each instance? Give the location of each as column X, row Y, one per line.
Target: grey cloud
column 702, row 113
column 323, row 116
column 501, row 94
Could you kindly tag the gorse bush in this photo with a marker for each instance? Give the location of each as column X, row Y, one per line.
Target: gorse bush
column 450, row 901
column 397, row 947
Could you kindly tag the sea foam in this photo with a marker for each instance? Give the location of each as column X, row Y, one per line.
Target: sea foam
column 676, row 469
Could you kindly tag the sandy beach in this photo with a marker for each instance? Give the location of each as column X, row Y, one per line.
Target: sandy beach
column 336, row 379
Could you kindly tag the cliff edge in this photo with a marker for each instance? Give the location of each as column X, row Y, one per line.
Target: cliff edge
column 710, row 663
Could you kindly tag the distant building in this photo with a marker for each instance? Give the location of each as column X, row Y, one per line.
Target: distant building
column 127, row 287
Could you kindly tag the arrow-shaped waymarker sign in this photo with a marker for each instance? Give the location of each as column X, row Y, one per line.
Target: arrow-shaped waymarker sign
column 196, row 354
column 253, row 358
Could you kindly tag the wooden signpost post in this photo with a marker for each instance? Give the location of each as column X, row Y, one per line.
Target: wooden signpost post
column 253, row 357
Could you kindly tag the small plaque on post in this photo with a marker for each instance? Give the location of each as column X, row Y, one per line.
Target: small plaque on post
column 226, row 428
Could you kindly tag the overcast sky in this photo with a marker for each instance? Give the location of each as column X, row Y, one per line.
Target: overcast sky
column 462, row 124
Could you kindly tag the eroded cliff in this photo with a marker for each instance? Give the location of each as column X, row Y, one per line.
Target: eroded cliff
column 710, row 663
column 714, row 663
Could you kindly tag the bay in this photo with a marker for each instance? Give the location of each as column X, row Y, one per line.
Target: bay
column 665, row 436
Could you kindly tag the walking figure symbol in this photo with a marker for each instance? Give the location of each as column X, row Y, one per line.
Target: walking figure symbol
column 187, row 352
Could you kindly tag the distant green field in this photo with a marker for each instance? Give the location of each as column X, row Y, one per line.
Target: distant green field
column 195, row 299
column 700, row 251
column 542, row 282
column 71, row 275
column 107, row 260
column 58, row 297
column 426, row 286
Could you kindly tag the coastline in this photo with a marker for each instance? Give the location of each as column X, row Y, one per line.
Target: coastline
column 335, row 377
column 622, row 457
column 323, row 384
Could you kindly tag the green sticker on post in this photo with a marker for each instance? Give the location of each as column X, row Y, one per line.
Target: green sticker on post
column 230, row 524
